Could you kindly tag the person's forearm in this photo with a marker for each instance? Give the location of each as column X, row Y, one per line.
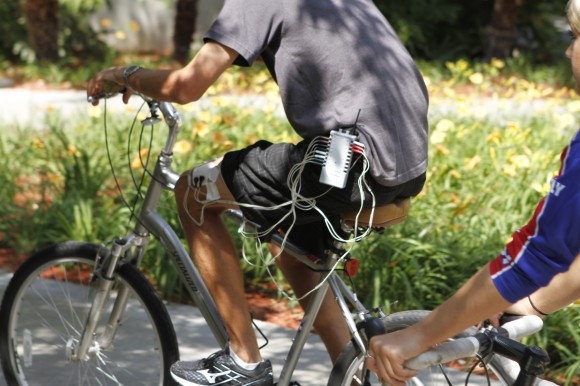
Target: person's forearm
column 181, row 86
column 189, row 83
column 476, row 300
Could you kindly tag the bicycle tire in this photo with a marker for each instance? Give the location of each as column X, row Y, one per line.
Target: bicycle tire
column 347, row 367
column 39, row 317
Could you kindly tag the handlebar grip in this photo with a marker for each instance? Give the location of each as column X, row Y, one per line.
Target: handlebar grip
column 522, row 327
column 110, row 89
column 103, row 95
column 445, row 352
column 466, row 347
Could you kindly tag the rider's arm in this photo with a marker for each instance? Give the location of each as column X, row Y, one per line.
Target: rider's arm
column 474, row 301
column 547, row 245
column 182, row 86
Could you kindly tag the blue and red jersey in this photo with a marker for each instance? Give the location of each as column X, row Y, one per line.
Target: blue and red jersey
column 550, row 242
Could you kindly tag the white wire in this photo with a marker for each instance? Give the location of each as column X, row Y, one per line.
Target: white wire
column 297, row 201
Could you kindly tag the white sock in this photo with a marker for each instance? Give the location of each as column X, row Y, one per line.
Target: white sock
column 240, row 362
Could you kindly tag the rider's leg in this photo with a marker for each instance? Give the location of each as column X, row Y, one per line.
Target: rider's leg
column 215, row 256
column 329, row 323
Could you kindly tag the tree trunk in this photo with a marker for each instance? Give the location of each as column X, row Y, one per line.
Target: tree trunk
column 42, row 27
column 502, row 32
column 185, row 18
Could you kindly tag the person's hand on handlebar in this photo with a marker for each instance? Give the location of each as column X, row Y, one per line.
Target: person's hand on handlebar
column 106, row 83
column 388, row 353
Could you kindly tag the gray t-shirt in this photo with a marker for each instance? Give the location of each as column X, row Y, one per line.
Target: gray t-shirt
column 334, row 61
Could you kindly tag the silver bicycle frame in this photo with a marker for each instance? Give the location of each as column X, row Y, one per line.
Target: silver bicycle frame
column 132, row 247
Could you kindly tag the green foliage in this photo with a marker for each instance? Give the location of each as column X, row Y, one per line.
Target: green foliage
column 12, row 29
column 441, row 29
column 486, row 174
column 561, row 338
column 77, row 42
column 452, row 29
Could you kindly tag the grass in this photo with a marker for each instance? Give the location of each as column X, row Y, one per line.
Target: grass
column 486, row 174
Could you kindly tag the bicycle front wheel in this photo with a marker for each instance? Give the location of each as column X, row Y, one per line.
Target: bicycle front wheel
column 349, row 368
column 44, row 311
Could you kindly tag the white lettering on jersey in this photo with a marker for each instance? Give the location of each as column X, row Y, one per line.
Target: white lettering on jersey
column 557, row 187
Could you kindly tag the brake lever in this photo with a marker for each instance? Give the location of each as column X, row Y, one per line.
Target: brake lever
column 154, row 110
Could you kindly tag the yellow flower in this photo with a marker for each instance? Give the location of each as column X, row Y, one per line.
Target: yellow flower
column 574, row 106
column 200, row 130
column 497, row 63
column 494, row 137
column 444, row 125
column 520, row 161
column 476, row 78
column 136, row 163
column 442, row 150
column 106, row 22
column 565, row 120
column 438, row 137
column 472, row 163
column 121, row 35
column 37, row 143
column 134, row 26
column 182, row 147
column 492, row 153
column 462, row 64
column 509, row 170
column 455, row 174
column 543, row 189
column 514, row 127
column 219, row 137
column 72, row 150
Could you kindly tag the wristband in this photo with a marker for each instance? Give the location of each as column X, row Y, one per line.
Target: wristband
column 127, row 73
column 536, row 308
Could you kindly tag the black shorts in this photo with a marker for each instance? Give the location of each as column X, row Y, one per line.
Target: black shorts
column 258, row 175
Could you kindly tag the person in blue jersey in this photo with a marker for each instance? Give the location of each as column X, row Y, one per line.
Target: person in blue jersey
column 539, row 270
column 339, row 65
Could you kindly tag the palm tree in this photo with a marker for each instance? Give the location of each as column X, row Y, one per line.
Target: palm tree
column 501, row 35
column 185, row 18
column 42, row 28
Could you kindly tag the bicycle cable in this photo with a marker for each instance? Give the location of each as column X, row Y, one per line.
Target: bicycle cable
column 484, row 365
column 130, row 207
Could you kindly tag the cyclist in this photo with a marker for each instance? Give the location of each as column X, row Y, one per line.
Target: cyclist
column 546, row 246
column 338, row 65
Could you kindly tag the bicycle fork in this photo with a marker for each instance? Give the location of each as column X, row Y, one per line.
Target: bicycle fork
column 105, row 274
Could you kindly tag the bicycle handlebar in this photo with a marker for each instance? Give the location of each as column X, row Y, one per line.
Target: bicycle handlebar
column 477, row 344
column 111, row 89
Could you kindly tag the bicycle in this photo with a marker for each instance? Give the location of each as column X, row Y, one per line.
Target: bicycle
column 68, row 303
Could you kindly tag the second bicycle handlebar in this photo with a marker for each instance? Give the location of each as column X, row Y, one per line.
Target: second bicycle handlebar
column 502, row 341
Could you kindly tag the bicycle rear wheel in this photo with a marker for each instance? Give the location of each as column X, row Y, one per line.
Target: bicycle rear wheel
column 350, row 364
column 43, row 313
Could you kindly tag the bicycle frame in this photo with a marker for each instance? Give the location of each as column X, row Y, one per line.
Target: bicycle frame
column 132, row 247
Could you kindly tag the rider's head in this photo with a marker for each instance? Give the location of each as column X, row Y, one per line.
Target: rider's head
column 573, row 13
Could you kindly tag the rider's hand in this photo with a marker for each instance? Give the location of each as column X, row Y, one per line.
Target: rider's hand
column 388, row 352
column 108, row 81
column 492, row 320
